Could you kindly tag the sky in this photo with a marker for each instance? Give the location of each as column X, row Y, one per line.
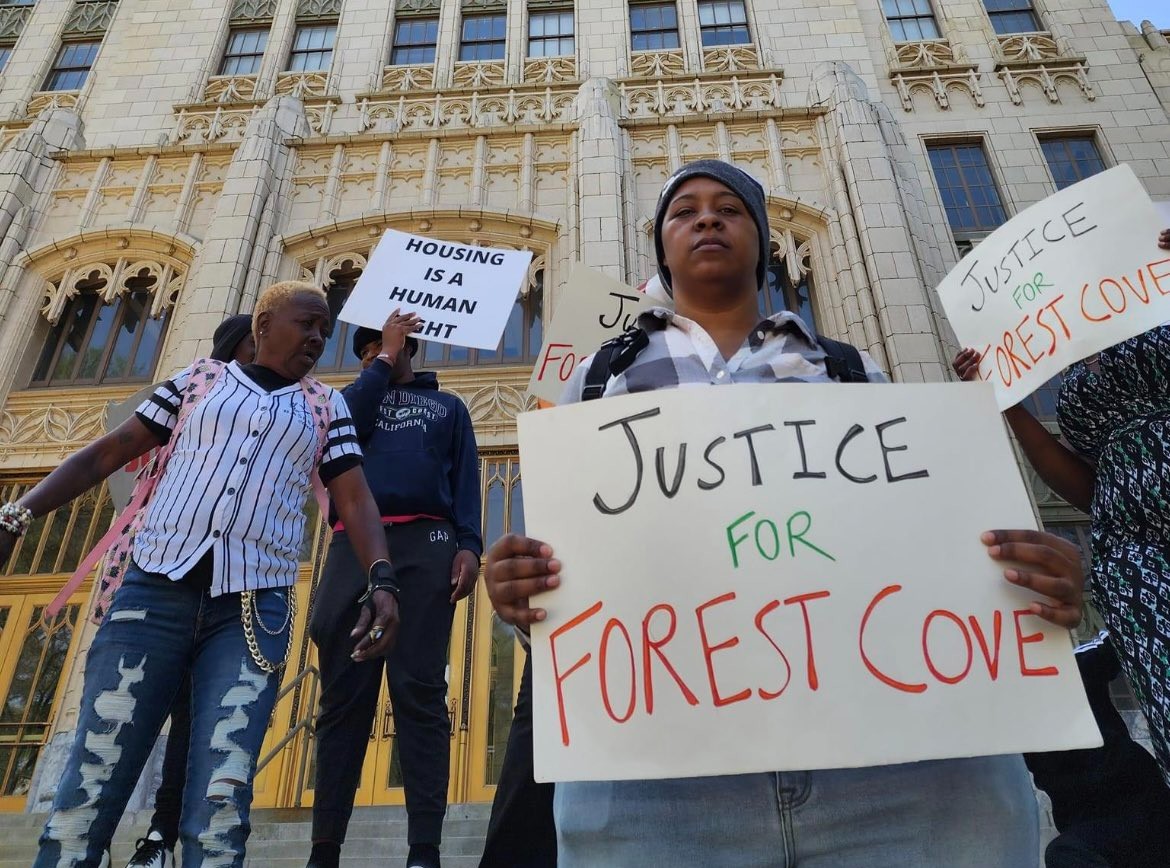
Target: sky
column 1136, row 11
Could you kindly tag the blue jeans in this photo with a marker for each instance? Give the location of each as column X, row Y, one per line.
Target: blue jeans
column 157, row 632
column 967, row 813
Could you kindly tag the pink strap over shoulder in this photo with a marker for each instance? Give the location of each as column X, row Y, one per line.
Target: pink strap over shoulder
column 204, row 375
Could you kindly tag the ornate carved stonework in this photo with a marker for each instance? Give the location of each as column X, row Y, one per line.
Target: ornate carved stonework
column 303, row 85
column 1028, row 48
column 253, row 10
column 936, row 67
column 796, row 254
column 929, row 54
column 550, row 70
column 417, row 7
column 90, row 16
column 939, row 85
column 700, row 95
column 195, row 126
column 408, row 78
column 114, row 276
column 51, row 99
column 45, row 425
column 730, row 58
column 657, row 64
column 497, row 108
column 307, row 9
column 230, row 88
column 478, row 75
column 1040, row 60
column 12, row 20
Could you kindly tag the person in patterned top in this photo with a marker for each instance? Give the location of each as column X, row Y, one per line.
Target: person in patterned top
column 1113, row 410
column 208, row 589
column 711, row 237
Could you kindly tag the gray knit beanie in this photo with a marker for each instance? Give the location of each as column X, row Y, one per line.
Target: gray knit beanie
column 743, row 185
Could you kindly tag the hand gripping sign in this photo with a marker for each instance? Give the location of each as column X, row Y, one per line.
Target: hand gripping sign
column 591, row 309
column 1066, row 278
column 785, row 577
column 464, row 294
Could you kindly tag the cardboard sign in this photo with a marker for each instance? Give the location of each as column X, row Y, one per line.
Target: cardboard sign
column 592, row 309
column 780, row 577
column 463, row 294
column 1068, row 277
column 120, row 484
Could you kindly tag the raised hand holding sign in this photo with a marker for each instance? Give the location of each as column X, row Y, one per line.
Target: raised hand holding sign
column 1066, row 278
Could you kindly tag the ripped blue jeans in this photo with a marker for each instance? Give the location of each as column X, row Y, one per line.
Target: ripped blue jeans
column 156, row 631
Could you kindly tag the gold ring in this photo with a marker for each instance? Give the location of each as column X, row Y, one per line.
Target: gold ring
column 376, row 633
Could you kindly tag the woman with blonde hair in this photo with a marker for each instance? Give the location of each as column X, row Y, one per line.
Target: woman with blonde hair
column 207, row 587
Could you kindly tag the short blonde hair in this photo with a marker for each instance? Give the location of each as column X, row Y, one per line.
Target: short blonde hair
column 278, row 293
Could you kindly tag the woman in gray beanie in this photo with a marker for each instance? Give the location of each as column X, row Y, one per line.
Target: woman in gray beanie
column 711, row 236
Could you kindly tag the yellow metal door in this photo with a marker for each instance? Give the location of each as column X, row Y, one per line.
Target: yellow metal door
column 34, row 655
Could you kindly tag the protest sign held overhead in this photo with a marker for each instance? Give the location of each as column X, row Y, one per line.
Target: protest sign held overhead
column 1066, row 278
column 464, row 294
column 591, row 309
column 791, row 577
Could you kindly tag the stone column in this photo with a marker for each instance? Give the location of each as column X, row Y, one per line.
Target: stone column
column 27, row 175
column 216, row 282
column 600, row 167
column 881, row 210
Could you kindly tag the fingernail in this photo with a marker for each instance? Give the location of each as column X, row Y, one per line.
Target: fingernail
column 987, row 537
column 1012, row 576
column 552, row 581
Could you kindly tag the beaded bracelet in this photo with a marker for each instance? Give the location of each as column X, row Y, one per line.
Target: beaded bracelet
column 15, row 519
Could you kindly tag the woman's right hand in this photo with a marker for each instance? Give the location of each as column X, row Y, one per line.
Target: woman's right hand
column 518, row 567
column 966, row 365
column 1164, row 239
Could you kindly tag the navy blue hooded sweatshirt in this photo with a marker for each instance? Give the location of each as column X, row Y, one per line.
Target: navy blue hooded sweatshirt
column 419, row 449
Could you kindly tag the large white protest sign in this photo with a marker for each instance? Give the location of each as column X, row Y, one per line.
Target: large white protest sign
column 464, row 294
column 591, row 309
column 120, row 483
column 771, row 577
column 1062, row 280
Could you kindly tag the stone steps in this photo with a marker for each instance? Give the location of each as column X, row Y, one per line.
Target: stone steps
column 281, row 837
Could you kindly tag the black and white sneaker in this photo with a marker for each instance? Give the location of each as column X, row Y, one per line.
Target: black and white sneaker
column 152, row 853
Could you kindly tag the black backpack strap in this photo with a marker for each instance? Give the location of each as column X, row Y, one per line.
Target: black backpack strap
column 611, row 358
column 843, row 361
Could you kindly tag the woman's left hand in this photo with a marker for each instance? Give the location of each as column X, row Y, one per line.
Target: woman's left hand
column 1049, row 565
column 377, row 625
column 1164, row 239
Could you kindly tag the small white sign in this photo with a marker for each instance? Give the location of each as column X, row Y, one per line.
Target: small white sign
column 1064, row 279
column 464, row 294
column 591, row 309
column 781, row 577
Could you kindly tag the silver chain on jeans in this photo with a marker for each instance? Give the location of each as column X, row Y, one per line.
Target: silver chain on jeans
column 250, row 615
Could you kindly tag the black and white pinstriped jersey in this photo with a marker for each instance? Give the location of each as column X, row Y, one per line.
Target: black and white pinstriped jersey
column 237, row 480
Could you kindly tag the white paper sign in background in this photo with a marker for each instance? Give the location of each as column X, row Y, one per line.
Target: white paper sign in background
column 464, row 294
column 591, row 309
column 770, row 577
column 1066, row 278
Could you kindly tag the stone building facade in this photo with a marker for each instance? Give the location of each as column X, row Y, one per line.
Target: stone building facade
column 162, row 161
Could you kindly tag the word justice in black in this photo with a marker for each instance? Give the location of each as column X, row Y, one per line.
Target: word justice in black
column 819, row 451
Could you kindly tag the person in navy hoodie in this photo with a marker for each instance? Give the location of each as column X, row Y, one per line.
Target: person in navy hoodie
column 422, row 466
